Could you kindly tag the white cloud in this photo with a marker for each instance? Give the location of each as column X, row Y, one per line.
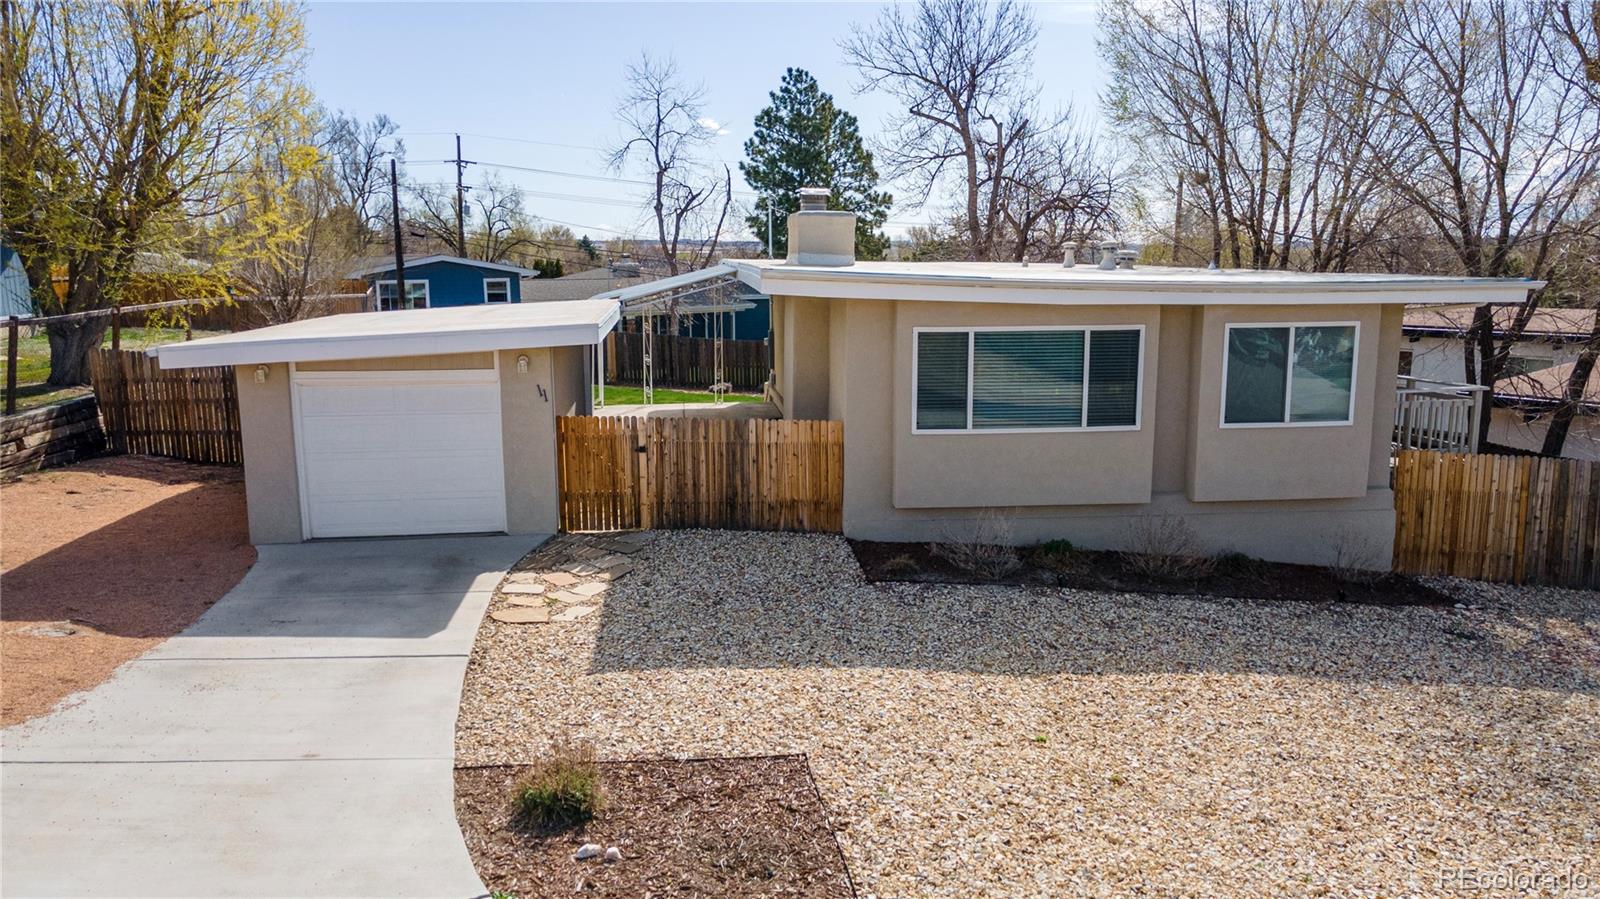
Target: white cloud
column 712, row 125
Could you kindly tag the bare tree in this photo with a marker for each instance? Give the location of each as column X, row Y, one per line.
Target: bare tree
column 1503, row 144
column 665, row 134
column 962, row 70
column 498, row 227
column 358, row 159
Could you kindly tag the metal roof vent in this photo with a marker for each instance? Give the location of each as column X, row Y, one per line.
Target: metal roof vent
column 1125, row 258
column 813, row 199
column 1108, row 255
column 1070, row 258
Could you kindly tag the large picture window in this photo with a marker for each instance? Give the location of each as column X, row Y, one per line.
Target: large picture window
column 1027, row 380
column 1289, row 374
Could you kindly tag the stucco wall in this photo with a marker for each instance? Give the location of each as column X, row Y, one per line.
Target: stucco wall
column 528, row 428
column 1093, row 487
column 1023, row 469
column 1281, row 462
column 266, row 429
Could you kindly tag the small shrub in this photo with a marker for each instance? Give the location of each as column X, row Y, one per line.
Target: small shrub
column 1357, row 558
column 562, row 790
column 901, row 566
column 1165, row 547
column 1055, row 555
column 985, row 551
column 1236, row 563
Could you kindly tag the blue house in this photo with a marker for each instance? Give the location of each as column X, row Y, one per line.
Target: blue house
column 437, row 281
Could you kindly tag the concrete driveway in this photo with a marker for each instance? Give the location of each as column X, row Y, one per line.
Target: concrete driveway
column 296, row 741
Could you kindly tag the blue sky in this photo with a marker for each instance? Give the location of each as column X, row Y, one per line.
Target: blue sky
column 536, row 84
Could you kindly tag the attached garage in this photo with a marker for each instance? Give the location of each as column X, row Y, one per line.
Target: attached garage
column 432, row 421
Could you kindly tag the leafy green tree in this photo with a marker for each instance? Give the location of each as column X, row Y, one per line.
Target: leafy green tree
column 587, row 247
column 804, row 140
column 120, row 127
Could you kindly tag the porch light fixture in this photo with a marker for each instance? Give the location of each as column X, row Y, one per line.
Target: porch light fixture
column 522, row 365
column 261, row 374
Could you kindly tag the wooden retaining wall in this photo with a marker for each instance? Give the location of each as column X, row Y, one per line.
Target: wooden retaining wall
column 186, row 413
column 1516, row 519
column 53, row 435
column 618, row 473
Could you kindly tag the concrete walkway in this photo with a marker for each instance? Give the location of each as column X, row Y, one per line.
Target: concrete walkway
column 296, row 741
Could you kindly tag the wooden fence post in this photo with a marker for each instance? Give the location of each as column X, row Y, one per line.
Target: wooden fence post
column 116, row 327
column 11, row 365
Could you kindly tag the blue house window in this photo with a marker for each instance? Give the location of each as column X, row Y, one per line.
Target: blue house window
column 497, row 290
column 416, row 295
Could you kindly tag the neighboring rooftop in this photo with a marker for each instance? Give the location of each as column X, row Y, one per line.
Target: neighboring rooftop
column 585, row 284
column 378, row 264
column 1547, row 386
column 1086, row 283
column 1545, row 323
column 411, row 332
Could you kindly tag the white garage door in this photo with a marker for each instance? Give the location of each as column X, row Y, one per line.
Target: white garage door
column 391, row 453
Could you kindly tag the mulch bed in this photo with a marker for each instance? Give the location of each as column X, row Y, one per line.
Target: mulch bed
column 1107, row 571
column 703, row 827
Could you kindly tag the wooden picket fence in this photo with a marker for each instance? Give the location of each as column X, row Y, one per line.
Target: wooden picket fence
column 619, row 473
column 686, row 362
column 190, row 413
column 1517, row 519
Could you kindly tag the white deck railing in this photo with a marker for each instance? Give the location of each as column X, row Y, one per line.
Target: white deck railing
column 1437, row 415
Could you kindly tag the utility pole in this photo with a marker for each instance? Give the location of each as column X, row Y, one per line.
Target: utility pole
column 1177, row 220
column 769, row 228
column 399, row 244
column 461, row 201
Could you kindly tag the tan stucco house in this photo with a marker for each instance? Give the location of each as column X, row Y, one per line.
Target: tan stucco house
column 1076, row 399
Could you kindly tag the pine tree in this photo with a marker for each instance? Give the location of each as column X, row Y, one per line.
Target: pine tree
column 804, row 140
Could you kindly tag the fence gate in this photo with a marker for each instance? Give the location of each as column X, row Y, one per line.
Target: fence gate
column 619, row 473
column 1500, row 518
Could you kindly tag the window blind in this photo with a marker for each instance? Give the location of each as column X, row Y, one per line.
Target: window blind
column 1027, row 379
column 942, row 380
column 1113, row 379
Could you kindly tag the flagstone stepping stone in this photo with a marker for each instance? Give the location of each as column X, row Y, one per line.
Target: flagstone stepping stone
column 567, row 596
column 541, row 602
column 582, row 569
column 572, row 614
column 522, row 615
column 561, row 578
column 523, row 589
column 589, row 589
column 618, row 570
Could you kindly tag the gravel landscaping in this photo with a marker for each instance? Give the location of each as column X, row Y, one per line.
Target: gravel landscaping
column 1023, row 741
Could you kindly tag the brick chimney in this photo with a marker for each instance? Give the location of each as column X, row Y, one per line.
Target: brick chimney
column 820, row 237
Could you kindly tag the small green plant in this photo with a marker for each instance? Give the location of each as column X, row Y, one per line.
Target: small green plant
column 1041, row 739
column 562, row 790
column 501, row 894
column 1117, row 780
column 1237, row 563
column 1055, row 555
column 901, row 566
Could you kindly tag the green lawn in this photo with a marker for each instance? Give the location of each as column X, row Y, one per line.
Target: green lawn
column 33, row 362
column 628, row 396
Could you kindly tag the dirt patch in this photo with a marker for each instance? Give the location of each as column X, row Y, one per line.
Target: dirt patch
column 101, row 561
column 703, row 827
column 1104, row 571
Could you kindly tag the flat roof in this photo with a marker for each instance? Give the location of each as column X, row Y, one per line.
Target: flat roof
column 409, row 332
column 1088, row 284
column 375, row 267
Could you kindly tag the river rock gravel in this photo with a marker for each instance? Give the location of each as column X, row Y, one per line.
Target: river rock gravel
column 1009, row 741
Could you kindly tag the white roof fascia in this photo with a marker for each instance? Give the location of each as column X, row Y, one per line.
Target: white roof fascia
column 866, row 285
column 441, row 257
column 636, row 291
column 584, row 327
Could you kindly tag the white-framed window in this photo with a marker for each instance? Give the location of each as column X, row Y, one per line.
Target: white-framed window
column 997, row 380
column 497, row 290
column 1289, row 375
column 416, row 295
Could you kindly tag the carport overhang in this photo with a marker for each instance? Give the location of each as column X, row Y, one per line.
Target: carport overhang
column 410, row 332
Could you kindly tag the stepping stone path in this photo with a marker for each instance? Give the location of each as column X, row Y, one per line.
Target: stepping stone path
column 566, row 579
